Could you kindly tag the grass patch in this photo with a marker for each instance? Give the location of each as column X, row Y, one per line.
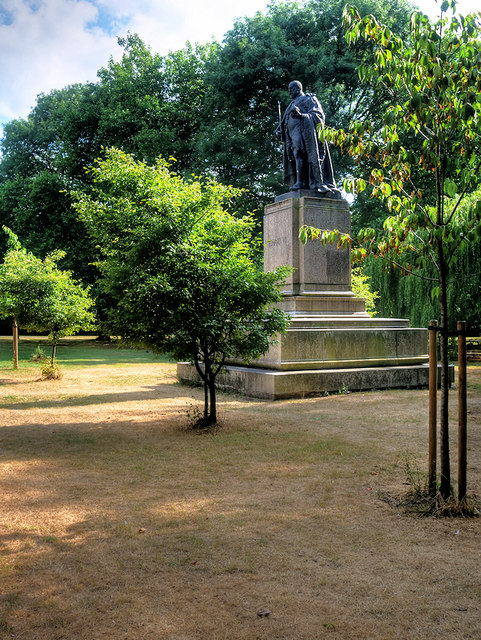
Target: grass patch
column 74, row 352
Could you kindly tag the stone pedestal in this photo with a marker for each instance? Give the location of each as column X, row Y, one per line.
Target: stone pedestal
column 316, row 268
column 331, row 343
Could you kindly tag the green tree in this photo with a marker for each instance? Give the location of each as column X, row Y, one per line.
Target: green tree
column 23, row 289
column 40, row 297
column 427, row 155
column 145, row 103
column 179, row 268
column 401, row 296
column 211, row 107
column 68, row 308
column 249, row 75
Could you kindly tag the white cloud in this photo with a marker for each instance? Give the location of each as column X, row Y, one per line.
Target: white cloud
column 169, row 24
column 56, row 44
column 47, row 48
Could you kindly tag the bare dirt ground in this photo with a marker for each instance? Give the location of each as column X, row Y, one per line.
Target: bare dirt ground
column 117, row 523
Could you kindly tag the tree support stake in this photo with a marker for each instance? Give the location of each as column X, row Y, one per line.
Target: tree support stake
column 433, row 390
column 462, row 411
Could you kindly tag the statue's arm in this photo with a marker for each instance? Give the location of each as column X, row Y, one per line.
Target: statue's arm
column 315, row 110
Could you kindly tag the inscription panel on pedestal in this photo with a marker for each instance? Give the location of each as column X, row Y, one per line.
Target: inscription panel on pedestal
column 281, row 226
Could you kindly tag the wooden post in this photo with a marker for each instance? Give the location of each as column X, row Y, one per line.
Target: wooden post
column 433, row 390
column 15, row 344
column 462, row 411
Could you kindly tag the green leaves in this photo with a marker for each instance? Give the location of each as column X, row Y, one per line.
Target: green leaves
column 40, row 296
column 450, row 188
column 178, row 268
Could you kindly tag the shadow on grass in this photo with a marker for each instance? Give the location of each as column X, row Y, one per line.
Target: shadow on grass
column 151, row 393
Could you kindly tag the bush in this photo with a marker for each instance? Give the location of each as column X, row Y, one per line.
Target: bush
column 50, row 371
column 39, row 354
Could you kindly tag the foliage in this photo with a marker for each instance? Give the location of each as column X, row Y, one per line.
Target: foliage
column 249, row 75
column 427, row 155
column 69, row 308
column 212, row 107
column 361, row 287
column 41, row 297
column 23, row 287
column 179, row 268
column 50, row 370
column 406, row 297
column 144, row 103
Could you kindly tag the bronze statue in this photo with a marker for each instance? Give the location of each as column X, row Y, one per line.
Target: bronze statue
column 307, row 162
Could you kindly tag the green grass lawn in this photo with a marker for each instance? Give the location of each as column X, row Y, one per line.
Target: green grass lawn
column 74, row 352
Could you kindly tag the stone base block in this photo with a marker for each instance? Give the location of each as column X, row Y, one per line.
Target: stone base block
column 342, row 343
column 274, row 385
column 325, row 303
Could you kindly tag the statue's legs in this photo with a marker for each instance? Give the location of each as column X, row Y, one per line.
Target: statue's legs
column 318, row 185
column 302, row 170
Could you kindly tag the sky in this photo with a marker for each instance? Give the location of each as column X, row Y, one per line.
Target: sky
column 49, row 44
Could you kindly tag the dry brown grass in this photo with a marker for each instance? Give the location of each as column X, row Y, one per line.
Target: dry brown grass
column 118, row 524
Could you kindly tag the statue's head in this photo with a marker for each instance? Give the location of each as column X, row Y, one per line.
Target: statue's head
column 295, row 88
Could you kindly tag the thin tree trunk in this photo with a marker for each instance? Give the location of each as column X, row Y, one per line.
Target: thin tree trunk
column 204, row 378
column 54, row 349
column 15, row 343
column 462, row 412
column 206, row 400
column 213, row 405
column 433, row 397
column 207, row 392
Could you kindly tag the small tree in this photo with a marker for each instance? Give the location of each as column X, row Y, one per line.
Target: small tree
column 180, row 268
column 41, row 297
column 426, row 156
column 23, row 289
column 68, row 308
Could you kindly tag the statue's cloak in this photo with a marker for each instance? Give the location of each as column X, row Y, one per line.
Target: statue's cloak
column 318, row 155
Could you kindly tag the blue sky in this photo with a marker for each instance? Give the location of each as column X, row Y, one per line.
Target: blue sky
column 48, row 44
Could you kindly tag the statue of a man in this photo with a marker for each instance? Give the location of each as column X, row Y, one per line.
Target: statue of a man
column 307, row 162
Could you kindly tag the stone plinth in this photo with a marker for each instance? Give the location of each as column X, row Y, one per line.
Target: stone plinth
column 315, row 267
column 331, row 342
column 276, row 385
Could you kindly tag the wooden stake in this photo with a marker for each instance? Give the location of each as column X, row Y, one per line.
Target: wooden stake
column 433, row 390
column 462, row 411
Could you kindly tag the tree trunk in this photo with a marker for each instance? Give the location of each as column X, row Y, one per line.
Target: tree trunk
column 15, row 343
column 206, row 399
column 208, row 376
column 433, row 397
column 445, row 487
column 203, row 376
column 54, row 349
column 213, row 405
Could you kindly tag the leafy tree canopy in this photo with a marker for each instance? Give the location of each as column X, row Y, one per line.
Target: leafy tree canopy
column 179, row 268
column 23, row 287
column 39, row 296
column 211, row 107
column 426, row 154
column 145, row 103
column 250, row 74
